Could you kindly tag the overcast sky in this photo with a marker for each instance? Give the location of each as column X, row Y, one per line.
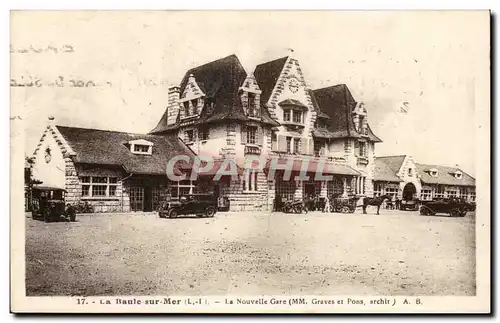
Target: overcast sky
column 437, row 62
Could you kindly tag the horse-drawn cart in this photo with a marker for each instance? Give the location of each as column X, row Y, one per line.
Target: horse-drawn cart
column 344, row 204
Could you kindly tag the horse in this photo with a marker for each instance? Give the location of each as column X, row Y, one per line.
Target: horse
column 374, row 201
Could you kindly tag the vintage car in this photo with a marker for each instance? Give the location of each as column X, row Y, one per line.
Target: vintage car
column 201, row 205
column 453, row 206
column 49, row 205
column 409, row 205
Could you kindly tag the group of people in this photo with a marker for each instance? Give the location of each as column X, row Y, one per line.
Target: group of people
column 394, row 204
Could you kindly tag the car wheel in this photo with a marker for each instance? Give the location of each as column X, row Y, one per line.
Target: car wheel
column 455, row 213
column 161, row 215
column 424, row 211
column 345, row 209
column 210, row 211
column 172, row 213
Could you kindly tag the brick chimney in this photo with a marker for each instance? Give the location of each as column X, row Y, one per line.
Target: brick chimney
column 174, row 94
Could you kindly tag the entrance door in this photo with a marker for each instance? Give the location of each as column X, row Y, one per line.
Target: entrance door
column 148, row 199
column 136, row 198
column 409, row 192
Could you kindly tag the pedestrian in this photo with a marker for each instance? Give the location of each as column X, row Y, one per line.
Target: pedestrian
column 328, row 207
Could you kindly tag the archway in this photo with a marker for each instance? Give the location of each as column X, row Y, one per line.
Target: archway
column 409, row 192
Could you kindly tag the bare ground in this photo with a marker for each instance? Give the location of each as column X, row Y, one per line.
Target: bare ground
column 396, row 253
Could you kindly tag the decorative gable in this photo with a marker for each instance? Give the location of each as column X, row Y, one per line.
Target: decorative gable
column 290, row 101
column 192, row 99
column 141, row 147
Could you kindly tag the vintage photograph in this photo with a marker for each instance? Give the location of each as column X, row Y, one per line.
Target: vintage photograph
column 247, row 154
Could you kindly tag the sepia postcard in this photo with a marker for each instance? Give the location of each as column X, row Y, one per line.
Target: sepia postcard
column 250, row 162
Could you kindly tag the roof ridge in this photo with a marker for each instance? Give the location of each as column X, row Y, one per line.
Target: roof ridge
column 211, row 62
column 331, row 86
column 272, row 61
column 104, row 130
column 389, row 156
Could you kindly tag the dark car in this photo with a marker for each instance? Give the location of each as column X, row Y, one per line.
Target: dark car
column 453, row 206
column 49, row 205
column 201, row 205
column 409, row 205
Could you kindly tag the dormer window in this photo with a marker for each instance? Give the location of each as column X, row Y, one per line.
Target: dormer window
column 141, row 147
column 186, row 109
column 458, row 175
column 434, row 172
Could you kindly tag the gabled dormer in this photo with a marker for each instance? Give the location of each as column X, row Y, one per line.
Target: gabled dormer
column 458, row 174
column 192, row 99
column 141, row 147
column 250, row 97
column 360, row 118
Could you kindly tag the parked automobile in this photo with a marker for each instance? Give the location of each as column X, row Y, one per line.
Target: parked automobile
column 49, row 205
column 409, row 205
column 201, row 205
column 453, row 206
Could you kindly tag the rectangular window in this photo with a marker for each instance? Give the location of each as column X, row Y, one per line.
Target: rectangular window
column 286, row 115
column 439, row 191
column 317, row 148
column 203, row 133
column 296, row 145
column 289, row 145
column 85, row 190
column 186, row 108
column 361, row 149
column 377, row 189
column 297, row 116
column 195, row 106
column 99, row 180
column 98, row 190
column 141, row 148
column 251, row 105
column 189, row 136
column 426, row 195
column 392, row 192
column 347, row 145
column 98, row 186
column 252, row 135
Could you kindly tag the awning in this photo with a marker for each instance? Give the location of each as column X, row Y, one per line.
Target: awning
column 230, row 164
column 314, row 166
column 294, row 103
column 48, row 188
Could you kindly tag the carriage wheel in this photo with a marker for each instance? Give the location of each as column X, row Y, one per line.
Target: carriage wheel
column 345, row 209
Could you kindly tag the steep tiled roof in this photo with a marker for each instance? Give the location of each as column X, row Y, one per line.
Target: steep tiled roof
column 267, row 75
column 220, row 80
column 93, row 146
column 386, row 168
column 394, row 162
column 338, row 103
column 445, row 175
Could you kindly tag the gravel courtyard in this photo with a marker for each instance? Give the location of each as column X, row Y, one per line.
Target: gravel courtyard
column 395, row 253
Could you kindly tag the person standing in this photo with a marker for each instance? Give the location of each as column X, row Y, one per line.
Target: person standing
column 328, row 207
